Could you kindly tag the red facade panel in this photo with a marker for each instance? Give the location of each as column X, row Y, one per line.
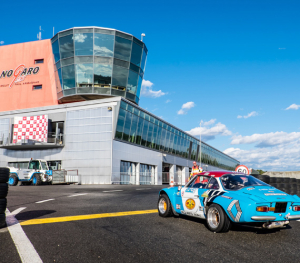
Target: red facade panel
column 19, row 75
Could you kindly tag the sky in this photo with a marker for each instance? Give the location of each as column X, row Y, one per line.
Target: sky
column 231, row 65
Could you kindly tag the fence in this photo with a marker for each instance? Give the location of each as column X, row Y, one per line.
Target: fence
column 65, row 176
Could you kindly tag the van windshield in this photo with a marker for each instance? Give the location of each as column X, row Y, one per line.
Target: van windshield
column 34, row 165
column 238, row 181
column 44, row 166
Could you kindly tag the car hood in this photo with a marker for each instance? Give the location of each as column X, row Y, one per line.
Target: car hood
column 264, row 194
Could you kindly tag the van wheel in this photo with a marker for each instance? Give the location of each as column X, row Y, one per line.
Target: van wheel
column 13, row 180
column 36, row 180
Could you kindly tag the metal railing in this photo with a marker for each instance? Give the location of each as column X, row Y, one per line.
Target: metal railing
column 53, row 138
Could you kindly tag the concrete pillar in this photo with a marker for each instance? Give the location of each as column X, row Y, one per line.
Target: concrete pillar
column 172, row 172
column 137, row 174
column 185, row 175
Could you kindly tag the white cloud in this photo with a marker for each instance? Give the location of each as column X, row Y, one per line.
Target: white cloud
column 251, row 114
column 209, row 132
column 167, row 101
column 1, row 42
column 278, row 158
column 185, row 107
column 293, row 107
column 207, row 123
column 147, row 90
column 80, row 38
column 267, row 139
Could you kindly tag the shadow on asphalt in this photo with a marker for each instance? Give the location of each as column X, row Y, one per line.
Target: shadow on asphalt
column 33, row 214
column 238, row 227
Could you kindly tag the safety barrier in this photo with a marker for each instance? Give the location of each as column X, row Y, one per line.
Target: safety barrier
column 286, row 184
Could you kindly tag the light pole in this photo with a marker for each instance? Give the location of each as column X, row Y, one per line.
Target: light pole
column 200, row 142
column 142, row 35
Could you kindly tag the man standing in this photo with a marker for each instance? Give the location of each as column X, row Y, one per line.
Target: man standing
column 195, row 170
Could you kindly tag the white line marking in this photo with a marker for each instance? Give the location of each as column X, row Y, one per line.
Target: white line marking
column 112, row 191
column 17, row 211
column 44, row 201
column 76, row 195
column 142, row 189
column 25, row 249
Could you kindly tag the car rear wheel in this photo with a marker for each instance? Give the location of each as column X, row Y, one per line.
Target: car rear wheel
column 164, row 206
column 217, row 220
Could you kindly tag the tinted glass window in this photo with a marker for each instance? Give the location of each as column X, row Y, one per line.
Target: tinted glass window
column 127, row 126
column 102, row 74
column 122, row 48
column 139, row 87
column 68, row 75
column 83, row 44
column 145, row 133
column 120, row 76
column 132, row 82
column 133, row 128
column 136, row 54
column 238, row 181
column 139, row 131
column 199, row 181
column 66, row 46
column 84, row 75
column 143, row 61
column 158, row 137
column 213, row 184
column 34, row 165
column 60, row 77
column 55, row 50
column 103, row 45
column 149, row 136
column 120, row 124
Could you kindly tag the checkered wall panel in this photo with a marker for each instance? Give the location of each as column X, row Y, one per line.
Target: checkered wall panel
column 30, row 128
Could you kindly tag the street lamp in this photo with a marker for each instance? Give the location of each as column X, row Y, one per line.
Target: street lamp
column 142, row 35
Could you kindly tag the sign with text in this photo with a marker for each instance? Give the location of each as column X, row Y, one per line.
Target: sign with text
column 18, row 75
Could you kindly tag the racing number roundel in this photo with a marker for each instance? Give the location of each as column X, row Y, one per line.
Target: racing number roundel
column 190, row 204
column 242, row 169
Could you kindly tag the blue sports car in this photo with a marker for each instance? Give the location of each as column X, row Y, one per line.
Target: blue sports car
column 223, row 198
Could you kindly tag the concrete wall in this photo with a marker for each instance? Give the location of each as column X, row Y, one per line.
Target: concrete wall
column 295, row 174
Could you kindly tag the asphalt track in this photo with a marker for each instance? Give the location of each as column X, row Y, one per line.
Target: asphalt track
column 113, row 223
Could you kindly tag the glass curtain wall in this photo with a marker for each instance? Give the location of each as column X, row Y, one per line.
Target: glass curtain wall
column 101, row 61
column 137, row 127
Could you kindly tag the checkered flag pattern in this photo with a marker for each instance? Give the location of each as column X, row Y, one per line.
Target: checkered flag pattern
column 30, row 128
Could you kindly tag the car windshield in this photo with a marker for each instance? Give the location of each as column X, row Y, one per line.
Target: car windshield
column 238, row 181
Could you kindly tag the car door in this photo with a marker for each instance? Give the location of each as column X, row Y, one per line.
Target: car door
column 209, row 193
column 190, row 198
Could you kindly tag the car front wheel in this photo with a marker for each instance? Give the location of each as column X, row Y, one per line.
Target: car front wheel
column 217, row 220
column 164, row 206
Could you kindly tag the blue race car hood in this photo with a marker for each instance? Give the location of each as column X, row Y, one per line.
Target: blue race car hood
column 264, row 194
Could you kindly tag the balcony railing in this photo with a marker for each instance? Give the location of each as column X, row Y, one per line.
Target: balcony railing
column 53, row 141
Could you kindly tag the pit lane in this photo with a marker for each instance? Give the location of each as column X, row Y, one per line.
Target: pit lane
column 133, row 237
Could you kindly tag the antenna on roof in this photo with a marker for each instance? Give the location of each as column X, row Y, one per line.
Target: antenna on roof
column 53, row 31
column 39, row 35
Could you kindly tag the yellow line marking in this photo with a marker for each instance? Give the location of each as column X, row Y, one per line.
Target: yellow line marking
column 84, row 217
